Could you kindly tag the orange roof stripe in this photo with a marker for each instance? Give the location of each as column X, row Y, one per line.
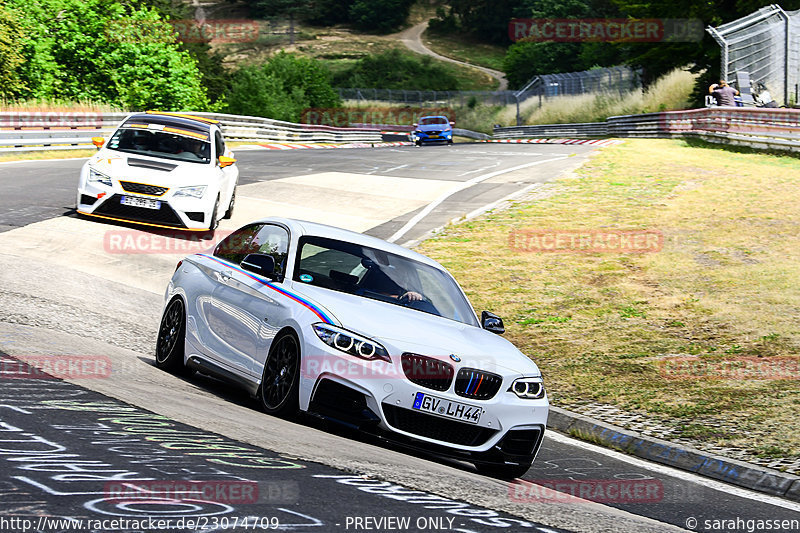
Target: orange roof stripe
column 202, row 136
column 183, row 115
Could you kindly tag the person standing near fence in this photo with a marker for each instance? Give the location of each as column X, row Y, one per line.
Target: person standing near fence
column 723, row 93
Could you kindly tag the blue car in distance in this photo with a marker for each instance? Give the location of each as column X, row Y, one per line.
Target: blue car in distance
column 433, row 129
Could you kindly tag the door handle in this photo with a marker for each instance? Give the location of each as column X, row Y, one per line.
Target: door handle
column 225, row 276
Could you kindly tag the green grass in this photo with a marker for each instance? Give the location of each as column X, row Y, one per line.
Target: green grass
column 671, row 91
column 602, row 326
column 46, row 154
column 467, row 50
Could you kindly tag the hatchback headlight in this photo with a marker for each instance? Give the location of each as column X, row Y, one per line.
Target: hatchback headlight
column 351, row 343
column 196, row 191
column 99, row 177
column 528, row 388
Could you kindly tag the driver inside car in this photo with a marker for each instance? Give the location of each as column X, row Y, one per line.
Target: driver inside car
column 375, row 280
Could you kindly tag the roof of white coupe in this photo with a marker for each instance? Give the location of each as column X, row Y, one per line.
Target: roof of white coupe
column 304, row 227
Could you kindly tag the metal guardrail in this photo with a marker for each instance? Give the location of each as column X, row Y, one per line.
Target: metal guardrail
column 774, row 129
column 587, row 129
column 30, row 131
column 469, row 134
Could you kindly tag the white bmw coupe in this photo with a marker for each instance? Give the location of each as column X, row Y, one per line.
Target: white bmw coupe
column 359, row 331
column 165, row 170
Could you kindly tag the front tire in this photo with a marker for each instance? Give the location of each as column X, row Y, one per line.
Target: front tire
column 171, row 337
column 214, row 222
column 229, row 212
column 280, row 382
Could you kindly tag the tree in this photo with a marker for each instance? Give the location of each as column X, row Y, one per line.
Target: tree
column 656, row 59
column 525, row 60
column 379, row 16
column 214, row 76
column 98, row 50
column 281, row 89
column 255, row 93
column 11, row 58
column 394, row 69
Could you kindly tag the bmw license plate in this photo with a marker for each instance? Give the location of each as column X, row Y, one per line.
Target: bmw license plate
column 447, row 408
column 137, row 201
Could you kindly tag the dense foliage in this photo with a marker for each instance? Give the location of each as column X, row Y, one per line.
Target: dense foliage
column 372, row 16
column 96, row 50
column 394, row 69
column 487, row 21
column 281, row 89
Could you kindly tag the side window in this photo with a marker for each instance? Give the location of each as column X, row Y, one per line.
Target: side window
column 219, row 144
column 265, row 239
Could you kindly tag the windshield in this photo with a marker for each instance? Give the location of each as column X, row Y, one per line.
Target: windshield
column 378, row 275
column 427, row 121
column 160, row 144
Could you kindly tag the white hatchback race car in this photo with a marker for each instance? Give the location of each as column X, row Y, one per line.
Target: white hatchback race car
column 356, row 330
column 166, row 170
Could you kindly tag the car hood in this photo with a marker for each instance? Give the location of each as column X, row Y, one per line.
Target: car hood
column 149, row 170
column 401, row 329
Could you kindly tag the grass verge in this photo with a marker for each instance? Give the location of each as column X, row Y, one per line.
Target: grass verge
column 671, row 91
column 603, row 326
column 46, row 154
column 462, row 49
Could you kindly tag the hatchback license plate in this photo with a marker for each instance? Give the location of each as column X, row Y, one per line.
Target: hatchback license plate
column 137, row 201
column 447, row 408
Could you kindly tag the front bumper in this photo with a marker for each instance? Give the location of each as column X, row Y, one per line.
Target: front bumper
column 423, row 137
column 178, row 213
column 378, row 396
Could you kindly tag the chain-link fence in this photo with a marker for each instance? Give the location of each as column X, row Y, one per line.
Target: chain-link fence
column 765, row 45
column 602, row 80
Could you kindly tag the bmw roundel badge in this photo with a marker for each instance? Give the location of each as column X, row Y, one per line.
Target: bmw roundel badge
column 455, row 358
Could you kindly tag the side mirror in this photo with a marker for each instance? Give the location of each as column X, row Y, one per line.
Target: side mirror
column 491, row 322
column 415, row 125
column 225, row 161
column 452, row 123
column 98, row 141
column 261, row 264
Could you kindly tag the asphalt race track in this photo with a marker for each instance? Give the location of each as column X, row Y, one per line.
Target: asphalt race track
column 70, row 452
column 66, row 290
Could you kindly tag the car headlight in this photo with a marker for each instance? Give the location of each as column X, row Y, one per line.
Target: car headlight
column 98, row 177
column 528, row 388
column 193, row 192
column 351, row 343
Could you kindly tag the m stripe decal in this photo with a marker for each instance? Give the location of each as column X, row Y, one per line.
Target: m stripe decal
column 305, row 303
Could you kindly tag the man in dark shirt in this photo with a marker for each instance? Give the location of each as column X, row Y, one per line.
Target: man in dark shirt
column 723, row 93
